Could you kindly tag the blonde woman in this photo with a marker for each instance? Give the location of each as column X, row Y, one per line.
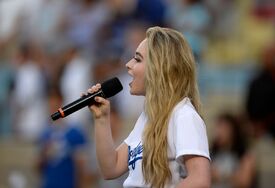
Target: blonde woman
column 168, row 146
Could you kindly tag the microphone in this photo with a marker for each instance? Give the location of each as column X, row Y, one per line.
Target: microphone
column 108, row 89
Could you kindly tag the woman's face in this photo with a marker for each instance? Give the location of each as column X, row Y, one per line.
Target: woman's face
column 136, row 69
column 223, row 133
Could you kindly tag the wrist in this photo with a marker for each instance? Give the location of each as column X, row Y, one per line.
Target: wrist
column 102, row 120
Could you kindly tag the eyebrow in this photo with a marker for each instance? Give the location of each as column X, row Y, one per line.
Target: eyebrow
column 139, row 54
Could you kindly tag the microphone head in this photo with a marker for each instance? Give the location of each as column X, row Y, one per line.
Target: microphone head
column 111, row 87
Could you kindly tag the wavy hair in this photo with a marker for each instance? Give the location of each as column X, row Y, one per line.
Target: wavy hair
column 170, row 76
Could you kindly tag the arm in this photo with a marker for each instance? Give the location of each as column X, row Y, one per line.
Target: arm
column 198, row 172
column 243, row 177
column 112, row 162
column 85, row 177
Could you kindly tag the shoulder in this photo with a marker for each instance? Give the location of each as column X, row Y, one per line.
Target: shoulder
column 186, row 120
column 184, row 110
column 76, row 135
column 187, row 131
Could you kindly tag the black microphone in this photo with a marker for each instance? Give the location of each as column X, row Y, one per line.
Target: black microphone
column 108, row 89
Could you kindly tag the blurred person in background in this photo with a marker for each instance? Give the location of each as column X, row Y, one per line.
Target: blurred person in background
column 260, row 106
column 192, row 18
column 168, row 146
column 261, row 91
column 151, row 12
column 29, row 107
column 63, row 160
column 83, row 20
column 75, row 78
column 231, row 161
column 6, row 86
column 10, row 11
column 45, row 21
column 224, row 17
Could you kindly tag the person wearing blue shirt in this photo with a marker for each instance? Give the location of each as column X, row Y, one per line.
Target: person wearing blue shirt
column 62, row 152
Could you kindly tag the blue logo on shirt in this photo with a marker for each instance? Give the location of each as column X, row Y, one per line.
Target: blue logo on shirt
column 134, row 155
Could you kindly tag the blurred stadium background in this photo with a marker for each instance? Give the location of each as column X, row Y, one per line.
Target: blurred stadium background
column 70, row 45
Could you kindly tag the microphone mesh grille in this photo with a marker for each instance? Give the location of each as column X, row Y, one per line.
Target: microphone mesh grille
column 111, row 87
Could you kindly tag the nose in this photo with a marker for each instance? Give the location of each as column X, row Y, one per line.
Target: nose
column 128, row 64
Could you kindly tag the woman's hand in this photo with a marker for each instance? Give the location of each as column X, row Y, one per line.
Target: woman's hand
column 101, row 109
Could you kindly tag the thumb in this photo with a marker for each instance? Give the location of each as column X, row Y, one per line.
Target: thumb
column 101, row 100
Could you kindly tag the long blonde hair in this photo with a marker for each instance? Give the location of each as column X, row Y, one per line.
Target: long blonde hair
column 169, row 77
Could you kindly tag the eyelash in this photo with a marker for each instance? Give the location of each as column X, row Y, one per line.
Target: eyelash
column 137, row 59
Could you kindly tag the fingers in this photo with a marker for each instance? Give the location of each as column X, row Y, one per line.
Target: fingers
column 91, row 90
column 94, row 88
column 102, row 101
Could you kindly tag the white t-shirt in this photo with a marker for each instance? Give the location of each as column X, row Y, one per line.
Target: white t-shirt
column 186, row 136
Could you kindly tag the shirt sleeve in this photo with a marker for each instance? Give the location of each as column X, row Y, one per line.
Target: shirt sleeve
column 190, row 135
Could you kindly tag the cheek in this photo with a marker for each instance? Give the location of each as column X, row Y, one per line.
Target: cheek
column 139, row 80
column 139, row 72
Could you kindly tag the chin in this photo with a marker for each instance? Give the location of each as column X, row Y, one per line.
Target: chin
column 133, row 93
column 137, row 93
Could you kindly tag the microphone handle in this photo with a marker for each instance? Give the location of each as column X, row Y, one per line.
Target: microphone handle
column 82, row 102
column 77, row 105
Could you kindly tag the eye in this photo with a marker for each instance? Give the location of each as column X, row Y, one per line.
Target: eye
column 137, row 59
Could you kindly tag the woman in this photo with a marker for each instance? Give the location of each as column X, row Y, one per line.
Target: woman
column 168, row 146
column 231, row 161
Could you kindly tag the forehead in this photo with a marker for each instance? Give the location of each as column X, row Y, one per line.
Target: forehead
column 142, row 47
